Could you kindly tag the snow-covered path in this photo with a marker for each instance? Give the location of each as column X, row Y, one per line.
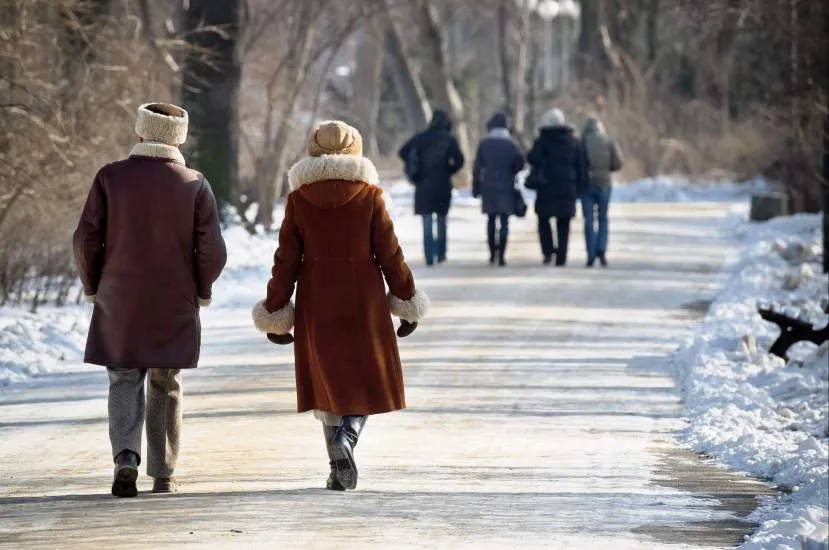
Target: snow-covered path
column 541, row 415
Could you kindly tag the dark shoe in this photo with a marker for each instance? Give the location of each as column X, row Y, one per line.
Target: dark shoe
column 126, row 474
column 561, row 263
column 342, row 449
column 502, row 262
column 602, row 260
column 590, row 262
column 164, row 485
column 493, row 253
column 547, row 260
column 441, row 259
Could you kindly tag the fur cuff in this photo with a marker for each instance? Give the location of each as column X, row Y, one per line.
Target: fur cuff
column 332, row 167
column 280, row 321
column 204, row 302
column 410, row 310
column 90, row 298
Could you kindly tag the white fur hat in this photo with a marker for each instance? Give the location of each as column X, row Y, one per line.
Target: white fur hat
column 553, row 118
column 162, row 122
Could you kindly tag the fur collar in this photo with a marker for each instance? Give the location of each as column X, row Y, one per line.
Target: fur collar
column 332, row 167
column 500, row 133
column 153, row 149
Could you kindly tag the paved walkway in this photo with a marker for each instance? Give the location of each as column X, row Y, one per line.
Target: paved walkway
column 541, row 412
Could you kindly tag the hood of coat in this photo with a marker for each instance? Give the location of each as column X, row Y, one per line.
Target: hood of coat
column 441, row 121
column 593, row 126
column 330, row 181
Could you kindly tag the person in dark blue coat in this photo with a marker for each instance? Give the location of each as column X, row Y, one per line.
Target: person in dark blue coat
column 558, row 175
column 497, row 162
column 431, row 158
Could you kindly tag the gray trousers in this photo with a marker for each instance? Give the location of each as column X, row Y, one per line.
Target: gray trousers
column 128, row 408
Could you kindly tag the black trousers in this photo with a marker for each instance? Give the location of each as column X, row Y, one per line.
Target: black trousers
column 499, row 244
column 549, row 247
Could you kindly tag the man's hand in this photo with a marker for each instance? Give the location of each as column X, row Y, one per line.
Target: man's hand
column 281, row 339
column 406, row 328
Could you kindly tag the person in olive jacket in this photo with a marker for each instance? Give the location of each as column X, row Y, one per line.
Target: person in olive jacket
column 148, row 248
column 603, row 158
column 558, row 175
column 497, row 162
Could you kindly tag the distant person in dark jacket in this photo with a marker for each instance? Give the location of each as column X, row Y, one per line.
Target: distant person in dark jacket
column 497, row 162
column 558, row 175
column 431, row 158
column 603, row 158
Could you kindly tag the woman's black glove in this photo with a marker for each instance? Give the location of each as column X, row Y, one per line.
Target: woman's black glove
column 406, row 328
column 281, row 339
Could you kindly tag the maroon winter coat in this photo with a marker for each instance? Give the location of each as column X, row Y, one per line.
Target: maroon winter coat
column 148, row 248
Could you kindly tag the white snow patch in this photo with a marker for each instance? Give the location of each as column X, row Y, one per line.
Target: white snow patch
column 32, row 344
column 751, row 410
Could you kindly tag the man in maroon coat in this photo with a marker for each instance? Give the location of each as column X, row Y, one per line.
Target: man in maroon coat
column 148, row 248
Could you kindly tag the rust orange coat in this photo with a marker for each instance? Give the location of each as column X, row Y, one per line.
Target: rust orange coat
column 337, row 245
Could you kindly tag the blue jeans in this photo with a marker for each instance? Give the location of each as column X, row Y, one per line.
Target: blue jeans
column 434, row 249
column 595, row 199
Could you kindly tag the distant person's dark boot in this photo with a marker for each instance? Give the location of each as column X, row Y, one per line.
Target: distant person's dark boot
column 590, row 262
column 602, row 259
column 332, row 484
column 126, row 474
column 493, row 251
column 547, row 260
column 342, row 449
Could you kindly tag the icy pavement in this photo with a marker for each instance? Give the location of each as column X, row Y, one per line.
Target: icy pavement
column 542, row 414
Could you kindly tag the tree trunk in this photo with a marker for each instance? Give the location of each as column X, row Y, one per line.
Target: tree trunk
column 409, row 88
column 210, row 92
column 366, row 84
column 504, row 47
column 652, row 36
column 826, row 160
column 521, row 70
column 590, row 38
column 440, row 82
column 270, row 167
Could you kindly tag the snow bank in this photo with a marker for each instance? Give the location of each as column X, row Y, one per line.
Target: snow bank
column 33, row 344
column 751, row 410
column 680, row 189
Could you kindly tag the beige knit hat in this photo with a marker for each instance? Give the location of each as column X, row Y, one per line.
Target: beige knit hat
column 334, row 137
column 162, row 122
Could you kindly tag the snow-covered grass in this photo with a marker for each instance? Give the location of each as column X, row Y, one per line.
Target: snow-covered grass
column 682, row 189
column 32, row 344
column 751, row 410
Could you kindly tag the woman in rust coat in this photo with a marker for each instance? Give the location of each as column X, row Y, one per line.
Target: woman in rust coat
column 337, row 245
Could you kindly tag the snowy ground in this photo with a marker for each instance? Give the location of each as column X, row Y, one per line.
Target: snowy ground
column 745, row 408
column 750, row 409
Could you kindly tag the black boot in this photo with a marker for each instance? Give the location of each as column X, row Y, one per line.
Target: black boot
column 126, row 474
column 342, row 449
column 502, row 250
column 602, row 259
column 333, row 484
column 493, row 250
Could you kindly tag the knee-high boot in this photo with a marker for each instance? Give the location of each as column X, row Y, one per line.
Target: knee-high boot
column 342, row 449
column 333, row 483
